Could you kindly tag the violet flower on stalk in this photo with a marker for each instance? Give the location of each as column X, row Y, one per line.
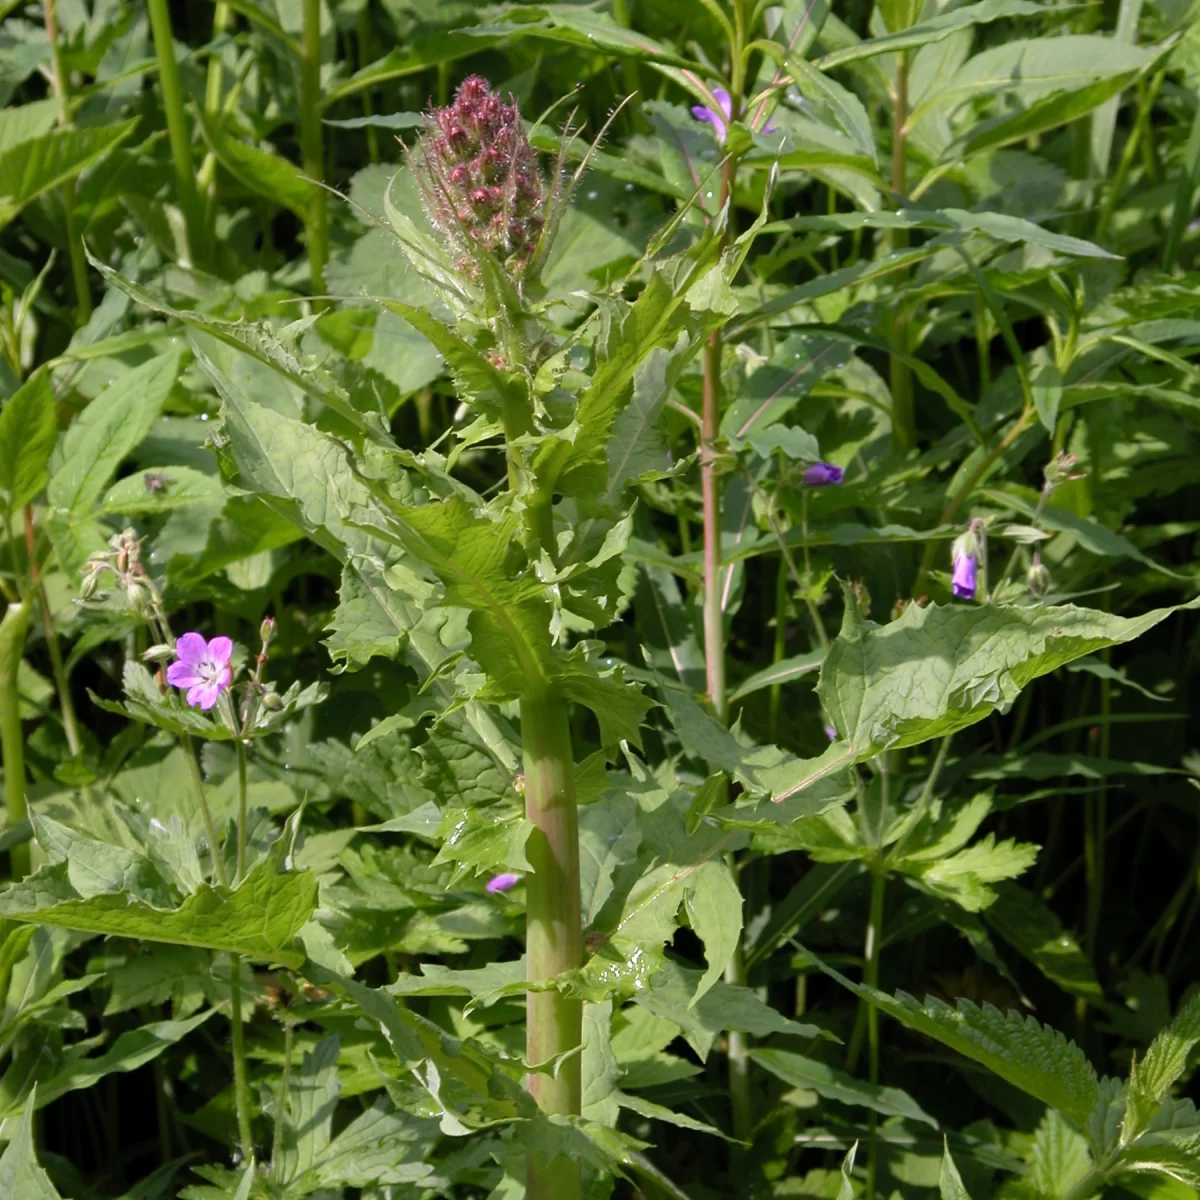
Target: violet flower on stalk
column 822, row 474
column 720, row 120
column 202, row 667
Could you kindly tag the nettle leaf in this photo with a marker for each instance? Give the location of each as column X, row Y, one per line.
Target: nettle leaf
column 28, row 432
column 833, row 1084
column 1165, row 1061
column 20, row 1174
column 938, row 669
column 258, row 919
column 1060, row 1157
column 1033, row 930
column 1035, row 1058
column 669, row 995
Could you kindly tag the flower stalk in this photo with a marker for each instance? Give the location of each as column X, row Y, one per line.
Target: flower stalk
column 312, row 150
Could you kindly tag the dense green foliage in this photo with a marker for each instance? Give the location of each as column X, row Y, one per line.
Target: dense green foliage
column 689, row 599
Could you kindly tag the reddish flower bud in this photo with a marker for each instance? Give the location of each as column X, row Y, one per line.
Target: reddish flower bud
column 480, row 181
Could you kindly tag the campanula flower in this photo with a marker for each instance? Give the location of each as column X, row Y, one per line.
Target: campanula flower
column 966, row 568
column 502, row 882
column 202, row 667
column 822, row 473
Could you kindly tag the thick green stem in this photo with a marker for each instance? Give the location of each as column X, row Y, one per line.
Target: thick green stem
column 871, row 978
column 312, row 145
column 177, row 125
column 554, row 938
column 12, row 645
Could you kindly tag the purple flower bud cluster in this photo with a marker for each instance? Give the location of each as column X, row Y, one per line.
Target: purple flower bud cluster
column 479, row 179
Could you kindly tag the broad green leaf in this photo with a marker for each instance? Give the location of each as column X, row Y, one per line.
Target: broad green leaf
column 132, row 1049
column 573, row 25
column 1035, row 1058
column 964, row 876
column 785, row 671
column 836, row 1085
column 1032, row 69
column 33, row 167
column 837, row 105
column 950, row 1184
column 20, row 1175
column 261, row 171
column 1060, row 1157
column 1033, row 930
column 938, row 669
column 262, row 343
column 259, row 919
column 20, row 122
column 1047, row 387
column 724, row 1006
column 28, row 432
column 101, row 437
column 1000, row 226
column 380, row 1146
column 160, row 489
column 714, row 909
column 1165, row 1061
column 933, row 30
column 308, row 1119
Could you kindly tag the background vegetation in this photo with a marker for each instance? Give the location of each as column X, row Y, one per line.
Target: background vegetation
column 948, row 249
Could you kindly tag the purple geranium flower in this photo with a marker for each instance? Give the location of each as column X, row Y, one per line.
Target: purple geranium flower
column 502, row 882
column 718, row 120
column 822, row 473
column 963, row 582
column 203, row 668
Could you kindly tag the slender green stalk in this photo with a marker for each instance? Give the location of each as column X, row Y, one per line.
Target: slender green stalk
column 904, row 433
column 241, row 1089
column 177, row 124
column 871, row 978
column 364, row 57
column 710, row 492
column 206, row 179
column 312, row 150
column 241, row 834
column 554, row 939
column 282, row 1100
column 61, row 83
column 776, row 693
column 1096, row 822
column 210, row 830
column 738, row 1047
column 1185, row 190
column 13, row 628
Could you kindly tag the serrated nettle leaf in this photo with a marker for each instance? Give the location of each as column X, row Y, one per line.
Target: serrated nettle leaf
column 1035, row 1058
column 950, row 1184
column 259, row 919
column 895, row 685
column 1060, row 1157
column 1164, row 1062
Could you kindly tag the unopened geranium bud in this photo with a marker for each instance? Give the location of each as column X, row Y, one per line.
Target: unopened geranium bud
column 158, row 653
column 1059, row 470
column 271, row 702
column 266, row 631
column 480, row 181
column 1038, row 579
